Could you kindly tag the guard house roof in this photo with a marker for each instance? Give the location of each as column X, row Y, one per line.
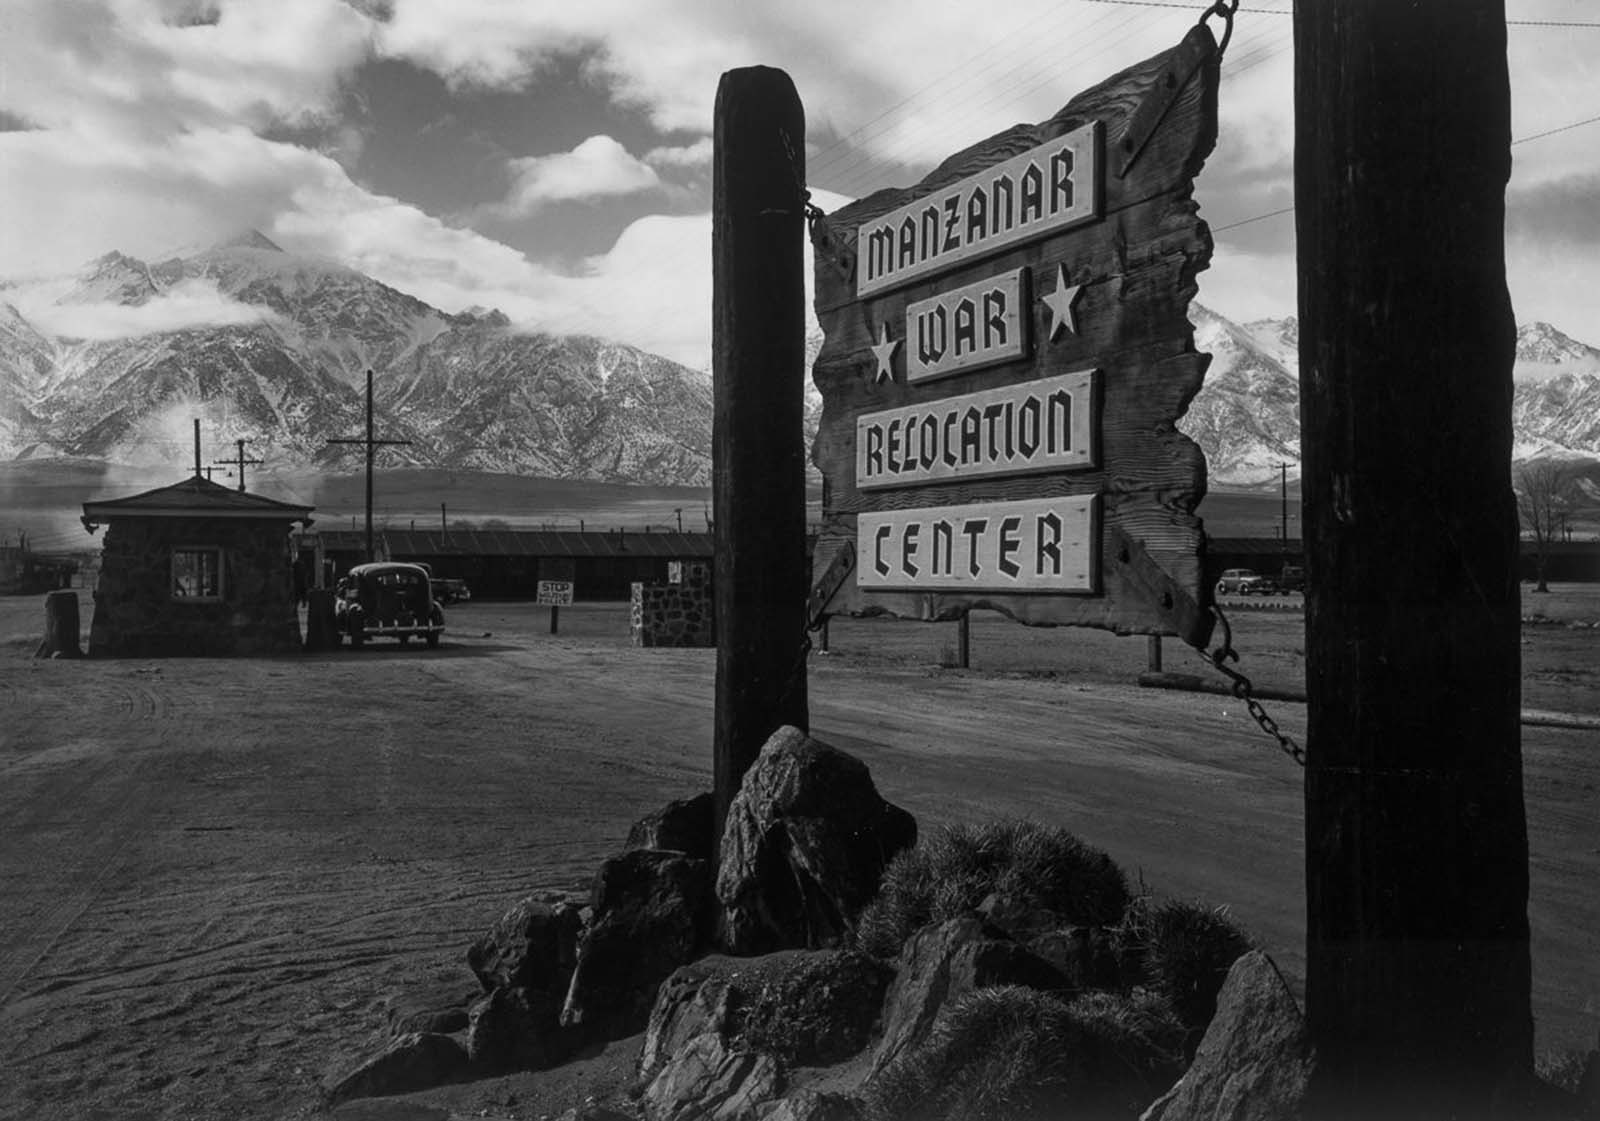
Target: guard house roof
column 194, row 497
column 527, row 543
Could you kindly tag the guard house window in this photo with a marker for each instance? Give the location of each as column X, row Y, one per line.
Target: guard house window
column 196, row 574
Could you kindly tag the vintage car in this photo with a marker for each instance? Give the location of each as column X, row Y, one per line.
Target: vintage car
column 448, row 589
column 387, row 600
column 1244, row 582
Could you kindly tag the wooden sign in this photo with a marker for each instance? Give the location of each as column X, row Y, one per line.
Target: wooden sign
column 1034, row 426
column 1035, row 545
column 1007, row 349
column 555, row 593
column 967, row 328
column 1053, row 186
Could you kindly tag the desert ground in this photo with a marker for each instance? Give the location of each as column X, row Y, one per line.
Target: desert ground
column 216, row 875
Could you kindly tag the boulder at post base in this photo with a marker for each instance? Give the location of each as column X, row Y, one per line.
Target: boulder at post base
column 532, row 946
column 1256, row 1058
column 652, row 913
column 411, row 1062
column 707, row 1081
column 941, row 963
column 684, row 825
column 517, row 1029
column 804, row 1007
column 804, row 847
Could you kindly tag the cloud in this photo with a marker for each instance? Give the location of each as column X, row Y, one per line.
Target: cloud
column 146, row 68
column 190, row 303
column 696, row 155
column 598, row 167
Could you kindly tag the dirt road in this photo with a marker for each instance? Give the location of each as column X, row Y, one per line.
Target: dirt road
column 214, row 873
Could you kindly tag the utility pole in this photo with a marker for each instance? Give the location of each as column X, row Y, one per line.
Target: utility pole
column 678, row 513
column 238, row 461
column 197, row 467
column 372, row 443
column 1418, row 973
column 1283, row 491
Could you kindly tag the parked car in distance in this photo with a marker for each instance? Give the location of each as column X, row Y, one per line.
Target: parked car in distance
column 1243, row 582
column 447, row 589
column 1293, row 578
column 387, row 600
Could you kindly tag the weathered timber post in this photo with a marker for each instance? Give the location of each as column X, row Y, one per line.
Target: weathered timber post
column 1418, row 969
column 758, row 359
column 964, row 640
column 60, row 627
column 322, row 626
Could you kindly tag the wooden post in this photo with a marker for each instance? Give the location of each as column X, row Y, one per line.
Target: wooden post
column 60, row 627
column 758, row 361
column 1418, row 974
column 1153, row 649
column 964, row 641
column 322, row 628
column 555, row 618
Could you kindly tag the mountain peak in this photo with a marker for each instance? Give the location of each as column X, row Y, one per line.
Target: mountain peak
column 250, row 239
column 1541, row 342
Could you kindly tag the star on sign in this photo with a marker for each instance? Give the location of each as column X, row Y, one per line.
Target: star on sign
column 1060, row 304
column 883, row 350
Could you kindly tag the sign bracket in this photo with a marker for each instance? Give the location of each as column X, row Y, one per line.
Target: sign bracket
column 829, row 583
column 1188, row 620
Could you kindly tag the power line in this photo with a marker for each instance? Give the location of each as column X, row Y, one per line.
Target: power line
column 1289, row 12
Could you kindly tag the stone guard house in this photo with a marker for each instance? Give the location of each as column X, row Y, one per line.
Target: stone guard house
column 194, row 569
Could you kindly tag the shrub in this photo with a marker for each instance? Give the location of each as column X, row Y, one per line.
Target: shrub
column 1019, row 1054
column 1561, row 1069
column 1038, row 867
column 1183, row 952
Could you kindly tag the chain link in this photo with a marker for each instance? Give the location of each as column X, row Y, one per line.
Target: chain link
column 1245, row 691
column 812, row 211
column 1224, row 9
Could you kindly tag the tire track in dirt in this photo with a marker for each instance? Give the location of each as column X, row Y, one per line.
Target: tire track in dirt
column 111, row 804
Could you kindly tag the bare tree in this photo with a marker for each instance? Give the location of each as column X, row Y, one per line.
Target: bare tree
column 1546, row 490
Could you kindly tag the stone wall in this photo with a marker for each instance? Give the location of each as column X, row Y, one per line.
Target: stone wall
column 137, row 615
column 680, row 614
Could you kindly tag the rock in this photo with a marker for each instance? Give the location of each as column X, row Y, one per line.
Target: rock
column 809, row 1105
column 532, row 946
column 1255, row 1059
column 694, row 1001
column 685, row 826
column 652, row 912
column 706, row 1081
column 1084, row 955
column 942, row 962
column 435, row 1009
column 804, row 1007
column 412, row 1062
column 517, row 1029
column 804, row 847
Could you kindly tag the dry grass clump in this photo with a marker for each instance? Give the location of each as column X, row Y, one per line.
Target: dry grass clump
column 1036, row 866
column 1183, row 952
column 1017, row 1054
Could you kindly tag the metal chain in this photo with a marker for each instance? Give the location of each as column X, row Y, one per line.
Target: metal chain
column 1224, row 9
column 812, row 211
column 1245, row 691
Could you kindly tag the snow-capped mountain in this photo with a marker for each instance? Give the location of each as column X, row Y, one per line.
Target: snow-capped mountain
column 273, row 347
column 1246, row 416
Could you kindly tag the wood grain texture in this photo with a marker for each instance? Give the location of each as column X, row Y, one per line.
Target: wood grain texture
column 1137, row 267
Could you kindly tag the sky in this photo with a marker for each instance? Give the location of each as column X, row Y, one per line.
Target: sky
column 551, row 158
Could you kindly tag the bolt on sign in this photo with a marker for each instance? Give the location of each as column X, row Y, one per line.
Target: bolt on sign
column 1007, row 349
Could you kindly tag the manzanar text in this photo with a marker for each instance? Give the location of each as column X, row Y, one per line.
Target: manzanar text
column 1051, row 187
